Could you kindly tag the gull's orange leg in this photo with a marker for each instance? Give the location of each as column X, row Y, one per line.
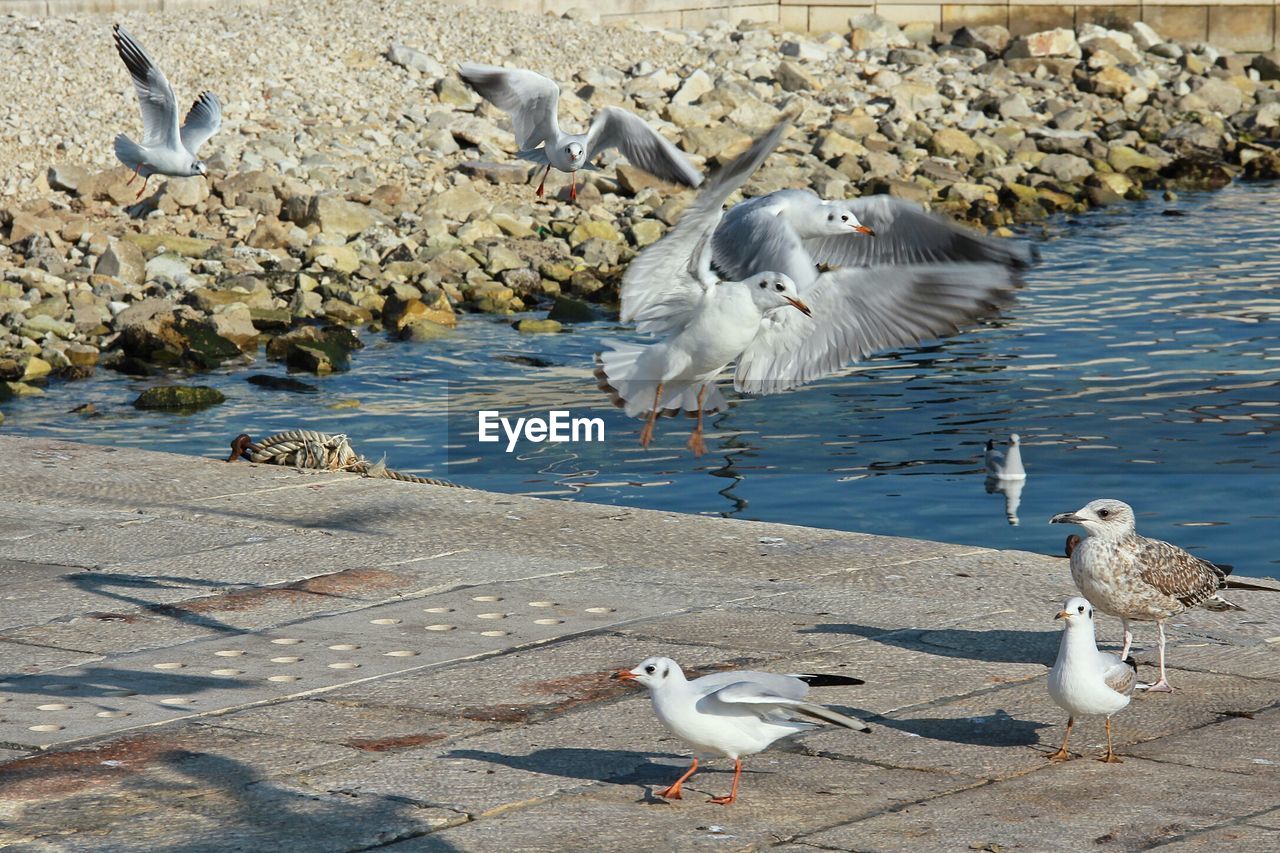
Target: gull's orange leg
column 573, row 186
column 672, row 792
column 1062, row 754
column 144, row 188
column 696, row 444
column 134, row 176
column 1110, row 757
column 733, row 792
column 542, row 185
column 646, row 434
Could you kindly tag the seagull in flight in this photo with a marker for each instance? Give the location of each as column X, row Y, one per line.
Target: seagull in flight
column 1085, row 681
column 532, row 101
column 733, row 714
column 703, row 321
column 166, row 148
column 1127, row 575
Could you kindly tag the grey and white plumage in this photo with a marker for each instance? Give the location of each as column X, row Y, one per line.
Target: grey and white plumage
column 532, row 101
column 1085, row 681
column 1127, row 575
column 897, row 276
column 167, row 148
column 703, row 322
column 734, row 714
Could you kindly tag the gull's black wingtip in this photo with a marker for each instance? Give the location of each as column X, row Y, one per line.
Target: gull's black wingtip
column 830, row 680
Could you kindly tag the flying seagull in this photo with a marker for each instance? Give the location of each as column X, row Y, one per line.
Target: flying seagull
column 799, row 233
column 1085, row 681
column 703, row 321
column 532, row 100
column 733, row 714
column 166, row 148
column 1127, row 575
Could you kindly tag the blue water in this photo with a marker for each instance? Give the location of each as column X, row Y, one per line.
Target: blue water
column 1142, row 362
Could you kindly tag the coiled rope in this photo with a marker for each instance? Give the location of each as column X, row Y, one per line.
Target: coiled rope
column 307, row 450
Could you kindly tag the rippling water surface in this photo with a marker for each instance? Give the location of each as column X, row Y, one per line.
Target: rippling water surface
column 1142, row 362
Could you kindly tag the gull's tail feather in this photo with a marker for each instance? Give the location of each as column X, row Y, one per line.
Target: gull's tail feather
column 829, row 680
column 1233, row 583
column 129, row 152
column 619, row 374
column 1218, row 604
column 821, row 712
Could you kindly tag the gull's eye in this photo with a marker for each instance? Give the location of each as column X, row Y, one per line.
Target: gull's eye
column 1103, row 513
column 1080, row 608
column 844, row 219
column 779, row 287
column 650, row 669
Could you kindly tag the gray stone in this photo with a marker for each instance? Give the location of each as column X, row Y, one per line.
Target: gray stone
column 122, row 260
column 408, row 57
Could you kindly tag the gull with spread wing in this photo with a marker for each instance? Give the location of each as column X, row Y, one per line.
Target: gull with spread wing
column 798, row 233
column 733, row 714
column 532, row 101
column 166, row 148
column 704, row 322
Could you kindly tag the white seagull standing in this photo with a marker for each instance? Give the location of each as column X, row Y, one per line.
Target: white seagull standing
column 166, row 148
column 733, row 714
column 1005, row 465
column 704, row 322
column 1085, row 681
column 532, row 101
column 1132, row 577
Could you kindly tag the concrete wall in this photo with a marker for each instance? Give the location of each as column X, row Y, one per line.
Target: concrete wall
column 1244, row 25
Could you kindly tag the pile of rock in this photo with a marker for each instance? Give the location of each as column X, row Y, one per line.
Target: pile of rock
column 396, row 218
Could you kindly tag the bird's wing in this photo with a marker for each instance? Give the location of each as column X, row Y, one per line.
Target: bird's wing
column 858, row 312
column 1175, row 572
column 529, row 98
column 1119, row 675
column 665, row 281
column 753, row 238
column 906, row 234
column 614, row 127
column 754, row 693
column 202, row 122
column 786, row 686
column 155, row 95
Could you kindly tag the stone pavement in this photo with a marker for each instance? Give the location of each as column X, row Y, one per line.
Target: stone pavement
column 198, row 656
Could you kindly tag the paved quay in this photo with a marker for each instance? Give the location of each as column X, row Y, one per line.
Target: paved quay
column 198, row 656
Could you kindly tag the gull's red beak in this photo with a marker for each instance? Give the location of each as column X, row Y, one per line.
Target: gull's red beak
column 804, row 309
column 1062, row 614
column 624, row 675
column 862, row 229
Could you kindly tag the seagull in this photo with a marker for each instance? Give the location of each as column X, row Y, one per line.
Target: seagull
column 733, row 713
column 704, row 322
column 1012, row 491
column 166, row 149
column 1005, row 465
column 532, row 100
column 1127, row 575
column 1085, row 681
column 798, row 233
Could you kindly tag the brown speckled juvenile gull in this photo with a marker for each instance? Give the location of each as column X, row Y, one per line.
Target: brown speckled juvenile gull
column 1132, row 577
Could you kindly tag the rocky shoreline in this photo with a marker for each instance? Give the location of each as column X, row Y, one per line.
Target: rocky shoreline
column 327, row 218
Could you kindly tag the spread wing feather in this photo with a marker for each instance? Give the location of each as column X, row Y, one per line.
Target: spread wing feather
column 665, row 282
column 641, row 144
column 155, row 95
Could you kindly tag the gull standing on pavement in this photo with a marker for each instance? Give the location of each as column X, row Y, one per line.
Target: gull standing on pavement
column 1085, row 681
column 532, row 101
column 733, row 714
column 1127, row 575
column 166, row 148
